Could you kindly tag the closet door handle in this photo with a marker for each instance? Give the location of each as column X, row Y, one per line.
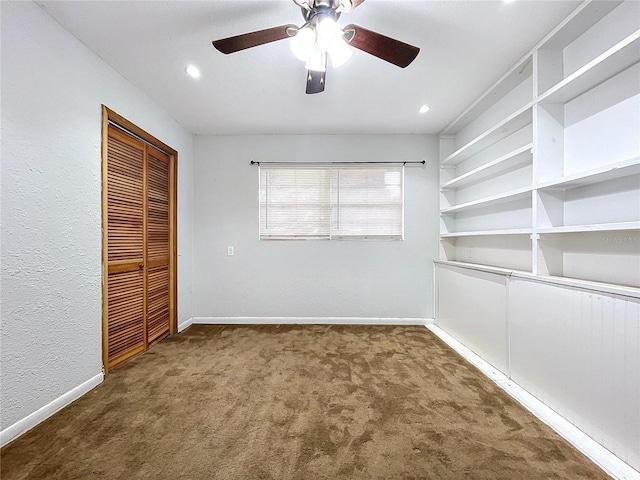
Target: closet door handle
column 140, row 266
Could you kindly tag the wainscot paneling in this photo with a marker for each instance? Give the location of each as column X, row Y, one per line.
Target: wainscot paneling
column 574, row 347
column 472, row 307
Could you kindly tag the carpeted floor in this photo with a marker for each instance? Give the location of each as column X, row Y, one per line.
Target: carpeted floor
column 295, row 402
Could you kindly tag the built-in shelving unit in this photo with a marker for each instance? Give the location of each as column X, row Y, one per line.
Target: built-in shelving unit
column 489, row 201
column 542, row 172
column 492, row 135
column 519, row 155
column 598, row 227
column 615, row 60
column 613, row 171
column 512, row 231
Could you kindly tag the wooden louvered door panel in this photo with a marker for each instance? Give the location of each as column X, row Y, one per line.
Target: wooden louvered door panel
column 157, row 250
column 125, row 247
column 139, row 241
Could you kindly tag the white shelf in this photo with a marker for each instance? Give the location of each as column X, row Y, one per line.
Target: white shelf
column 599, row 227
column 503, row 129
column 487, row 233
column 577, row 23
column 511, row 196
column 615, row 60
column 520, row 155
column 597, row 175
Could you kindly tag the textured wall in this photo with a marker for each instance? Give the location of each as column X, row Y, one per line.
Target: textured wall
column 52, row 91
column 309, row 278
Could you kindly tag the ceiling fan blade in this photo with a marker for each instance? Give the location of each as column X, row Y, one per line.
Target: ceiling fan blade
column 387, row 48
column 315, row 81
column 252, row 39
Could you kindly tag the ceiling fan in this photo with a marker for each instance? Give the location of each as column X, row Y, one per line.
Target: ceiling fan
column 321, row 37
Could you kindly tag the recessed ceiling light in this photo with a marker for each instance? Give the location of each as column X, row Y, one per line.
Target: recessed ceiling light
column 424, row 108
column 508, row 1
column 192, row 71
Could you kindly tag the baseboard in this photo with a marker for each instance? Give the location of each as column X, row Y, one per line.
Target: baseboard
column 184, row 325
column 21, row 426
column 310, row 321
column 602, row 457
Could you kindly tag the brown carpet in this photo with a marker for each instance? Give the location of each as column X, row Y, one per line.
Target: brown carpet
column 295, row 402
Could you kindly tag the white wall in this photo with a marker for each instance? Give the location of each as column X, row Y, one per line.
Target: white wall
column 52, row 91
column 309, row 278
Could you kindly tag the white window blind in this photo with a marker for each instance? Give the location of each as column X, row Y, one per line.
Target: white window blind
column 331, row 203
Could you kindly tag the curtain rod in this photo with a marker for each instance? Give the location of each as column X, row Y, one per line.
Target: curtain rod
column 419, row 162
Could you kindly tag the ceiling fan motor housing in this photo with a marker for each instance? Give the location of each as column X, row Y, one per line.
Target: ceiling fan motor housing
column 322, row 10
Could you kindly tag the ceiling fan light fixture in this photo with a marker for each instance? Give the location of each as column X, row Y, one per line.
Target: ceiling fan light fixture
column 339, row 54
column 303, row 43
column 328, row 32
column 317, row 60
column 330, row 38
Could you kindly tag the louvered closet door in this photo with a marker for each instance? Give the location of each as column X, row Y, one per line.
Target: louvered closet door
column 157, row 251
column 125, row 252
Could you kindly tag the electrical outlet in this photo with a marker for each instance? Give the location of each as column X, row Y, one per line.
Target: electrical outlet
column 230, row 251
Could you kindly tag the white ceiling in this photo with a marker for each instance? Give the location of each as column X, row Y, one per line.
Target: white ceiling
column 465, row 47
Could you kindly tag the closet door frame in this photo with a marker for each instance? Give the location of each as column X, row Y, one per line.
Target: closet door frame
column 111, row 117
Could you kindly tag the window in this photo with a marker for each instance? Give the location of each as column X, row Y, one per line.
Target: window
column 331, row 203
